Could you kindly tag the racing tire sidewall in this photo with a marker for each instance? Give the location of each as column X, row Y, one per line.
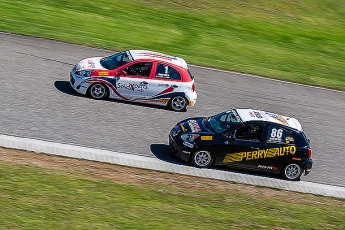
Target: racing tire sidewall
column 99, row 88
column 178, row 104
column 202, row 158
column 292, row 171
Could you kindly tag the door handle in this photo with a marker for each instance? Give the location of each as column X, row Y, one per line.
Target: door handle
column 174, row 86
column 253, row 148
column 144, row 82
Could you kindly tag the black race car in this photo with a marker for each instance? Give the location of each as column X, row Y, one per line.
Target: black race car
column 247, row 139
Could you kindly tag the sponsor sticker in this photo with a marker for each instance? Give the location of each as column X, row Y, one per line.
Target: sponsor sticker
column 103, row 73
column 260, row 154
column 206, row 138
column 189, row 145
column 194, row 126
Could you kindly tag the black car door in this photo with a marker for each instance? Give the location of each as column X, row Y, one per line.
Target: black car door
column 242, row 147
column 279, row 148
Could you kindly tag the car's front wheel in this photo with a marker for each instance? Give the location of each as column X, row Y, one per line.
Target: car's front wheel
column 98, row 91
column 202, row 158
column 178, row 103
column 292, row 171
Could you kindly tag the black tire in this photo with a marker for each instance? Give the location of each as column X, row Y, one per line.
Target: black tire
column 178, row 103
column 97, row 91
column 202, row 158
column 292, row 171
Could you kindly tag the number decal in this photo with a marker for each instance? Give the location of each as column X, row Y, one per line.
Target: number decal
column 276, row 134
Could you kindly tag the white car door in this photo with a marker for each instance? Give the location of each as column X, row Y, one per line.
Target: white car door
column 166, row 80
column 135, row 84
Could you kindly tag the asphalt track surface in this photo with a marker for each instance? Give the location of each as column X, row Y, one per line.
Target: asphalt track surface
column 38, row 103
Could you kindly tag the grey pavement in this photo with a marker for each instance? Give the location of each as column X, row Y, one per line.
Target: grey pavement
column 36, row 101
column 161, row 165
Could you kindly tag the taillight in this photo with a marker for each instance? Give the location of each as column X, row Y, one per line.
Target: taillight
column 193, row 87
column 309, row 153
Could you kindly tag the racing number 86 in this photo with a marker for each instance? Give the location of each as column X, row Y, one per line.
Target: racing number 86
column 276, row 133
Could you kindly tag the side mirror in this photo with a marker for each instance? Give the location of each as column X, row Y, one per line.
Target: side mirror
column 231, row 137
column 122, row 73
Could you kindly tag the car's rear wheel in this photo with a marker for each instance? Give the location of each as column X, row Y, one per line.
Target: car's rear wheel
column 202, row 158
column 292, row 171
column 98, row 91
column 178, row 103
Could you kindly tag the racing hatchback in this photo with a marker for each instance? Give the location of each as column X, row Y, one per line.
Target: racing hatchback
column 247, row 139
column 137, row 76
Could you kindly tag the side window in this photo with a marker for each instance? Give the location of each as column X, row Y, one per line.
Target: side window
column 165, row 71
column 141, row 69
column 279, row 135
column 249, row 132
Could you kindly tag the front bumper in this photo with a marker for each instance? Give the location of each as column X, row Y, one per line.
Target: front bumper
column 180, row 150
column 77, row 83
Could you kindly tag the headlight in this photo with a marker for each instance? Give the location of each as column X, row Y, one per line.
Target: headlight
column 84, row 73
column 176, row 130
column 187, row 137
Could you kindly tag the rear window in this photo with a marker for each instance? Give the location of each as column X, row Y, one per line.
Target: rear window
column 305, row 139
column 190, row 74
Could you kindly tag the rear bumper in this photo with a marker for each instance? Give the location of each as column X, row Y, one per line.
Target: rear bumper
column 307, row 164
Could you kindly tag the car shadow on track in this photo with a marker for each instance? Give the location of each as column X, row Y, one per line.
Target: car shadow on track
column 64, row 87
column 163, row 152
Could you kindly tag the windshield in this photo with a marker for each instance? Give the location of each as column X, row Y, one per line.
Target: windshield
column 114, row 61
column 223, row 121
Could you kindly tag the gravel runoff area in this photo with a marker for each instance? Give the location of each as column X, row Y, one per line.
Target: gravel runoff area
column 156, row 164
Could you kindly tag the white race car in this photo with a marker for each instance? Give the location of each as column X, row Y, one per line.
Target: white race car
column 137, row 76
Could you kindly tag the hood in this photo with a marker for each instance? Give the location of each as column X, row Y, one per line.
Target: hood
column 90, row 64
column 194, row 125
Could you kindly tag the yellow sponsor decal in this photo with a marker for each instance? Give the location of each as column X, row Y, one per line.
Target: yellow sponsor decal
column 160, row 100
column 103, row 73
column 206, row 138
column 259, row 154
column 183, row 128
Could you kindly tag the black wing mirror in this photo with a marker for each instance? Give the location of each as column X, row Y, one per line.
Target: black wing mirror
column 231, row 137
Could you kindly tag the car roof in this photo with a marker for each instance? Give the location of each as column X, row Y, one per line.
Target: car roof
column 147, row 54
column 259, row 115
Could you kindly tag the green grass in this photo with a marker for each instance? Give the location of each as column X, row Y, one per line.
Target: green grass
column 300, row 41
column 36, row 198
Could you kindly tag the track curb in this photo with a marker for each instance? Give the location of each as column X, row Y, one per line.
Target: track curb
column 160, row 165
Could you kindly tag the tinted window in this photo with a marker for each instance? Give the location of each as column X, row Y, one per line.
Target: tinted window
column 190, row 74
column 141, row 69
column 279, row 135
column 249, row 132
column 165, row 71
column 223, row 121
